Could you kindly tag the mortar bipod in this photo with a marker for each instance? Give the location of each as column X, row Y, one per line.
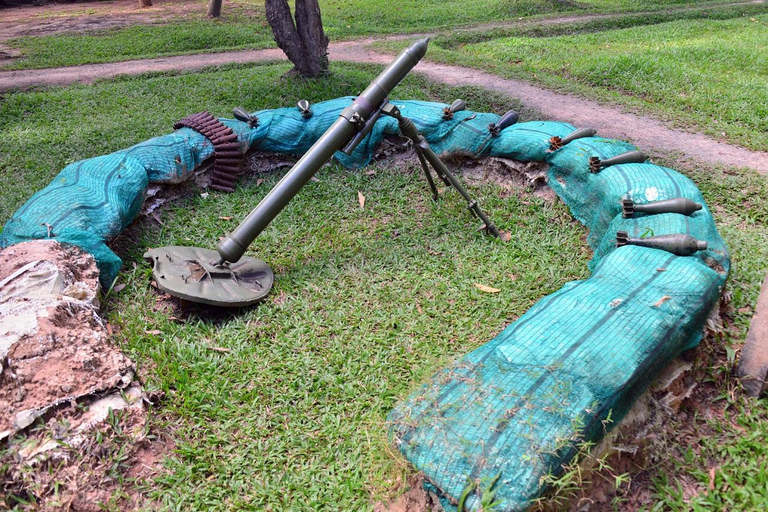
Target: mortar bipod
column 428, row 157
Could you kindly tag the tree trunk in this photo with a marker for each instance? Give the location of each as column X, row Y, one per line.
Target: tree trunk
column 145, row 3
column 214, row 8
column 304, row 42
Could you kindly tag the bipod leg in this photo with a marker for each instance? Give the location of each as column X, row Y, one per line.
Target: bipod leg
column 425, row 154
column 427, row 172
column 473, row 205
column 408, row 129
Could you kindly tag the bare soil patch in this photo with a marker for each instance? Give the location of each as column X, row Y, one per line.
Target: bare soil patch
column 90, row 16
column 73, row 422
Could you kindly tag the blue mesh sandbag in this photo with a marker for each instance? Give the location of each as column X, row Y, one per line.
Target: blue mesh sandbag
column 285, row 131
column 572, row 161
column 529, row 141
column 645, row 183
column 172, row 158
column 87, row 204
column 516, row 407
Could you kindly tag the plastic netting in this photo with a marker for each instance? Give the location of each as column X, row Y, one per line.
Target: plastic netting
column 516, row 408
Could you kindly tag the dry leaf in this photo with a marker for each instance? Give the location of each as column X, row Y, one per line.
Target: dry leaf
column 225, row 218
column 745, row 309
column 662, row 301
column 109, row 329
column 315, row 179
column 370, row 173
column 712, row 478
column 259, row 181
column 361, row 199
column 418, row 308
column 486, row 289
column 118, row 287
column 219, row 349
column 156, row 332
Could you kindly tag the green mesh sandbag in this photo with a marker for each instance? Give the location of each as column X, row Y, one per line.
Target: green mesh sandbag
column 514, row 409
column 572, row 161
column 466, row 133
column 529, row 141
column 87, row 204
column 172, row 158
column 284, row 130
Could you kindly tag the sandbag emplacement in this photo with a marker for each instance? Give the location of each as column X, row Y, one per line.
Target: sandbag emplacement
column 517, row 408
column 87, row 204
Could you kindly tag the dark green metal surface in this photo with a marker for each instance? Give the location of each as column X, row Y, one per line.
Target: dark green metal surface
column 681, row 205
column 630, row 157
column 679, row 244
column 348, row 130
column 428, row 157
column 191, row 273
column 556, row 142
column 222, row 277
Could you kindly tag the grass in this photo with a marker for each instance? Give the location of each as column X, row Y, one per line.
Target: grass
column 289, row 411
column 45, row 130
column 368, row 303
column 243, row 26
column 140, row 41
column 700, row 74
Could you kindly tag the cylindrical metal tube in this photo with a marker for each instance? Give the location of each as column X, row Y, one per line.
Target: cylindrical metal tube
column 231, row 249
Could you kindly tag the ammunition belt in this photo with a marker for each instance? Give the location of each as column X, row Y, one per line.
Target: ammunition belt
column 227, row 155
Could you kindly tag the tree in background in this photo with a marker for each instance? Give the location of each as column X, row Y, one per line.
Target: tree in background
column 304, row 42
column 214, row 8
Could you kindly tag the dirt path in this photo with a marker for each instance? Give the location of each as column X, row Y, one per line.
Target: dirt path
column 647, row 133
column 610, row 121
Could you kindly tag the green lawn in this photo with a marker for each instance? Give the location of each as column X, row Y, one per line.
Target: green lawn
column 140, row 41
column 702, row 74
column 244, row 26
column 367, row 302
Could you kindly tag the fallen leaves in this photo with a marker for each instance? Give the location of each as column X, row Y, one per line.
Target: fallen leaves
column 486, row 289
column 361, row 199
column 221, row 350
column 662, row 301
column 154, row 332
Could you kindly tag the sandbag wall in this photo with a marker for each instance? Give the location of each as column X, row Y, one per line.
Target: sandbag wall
column 517, row 407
